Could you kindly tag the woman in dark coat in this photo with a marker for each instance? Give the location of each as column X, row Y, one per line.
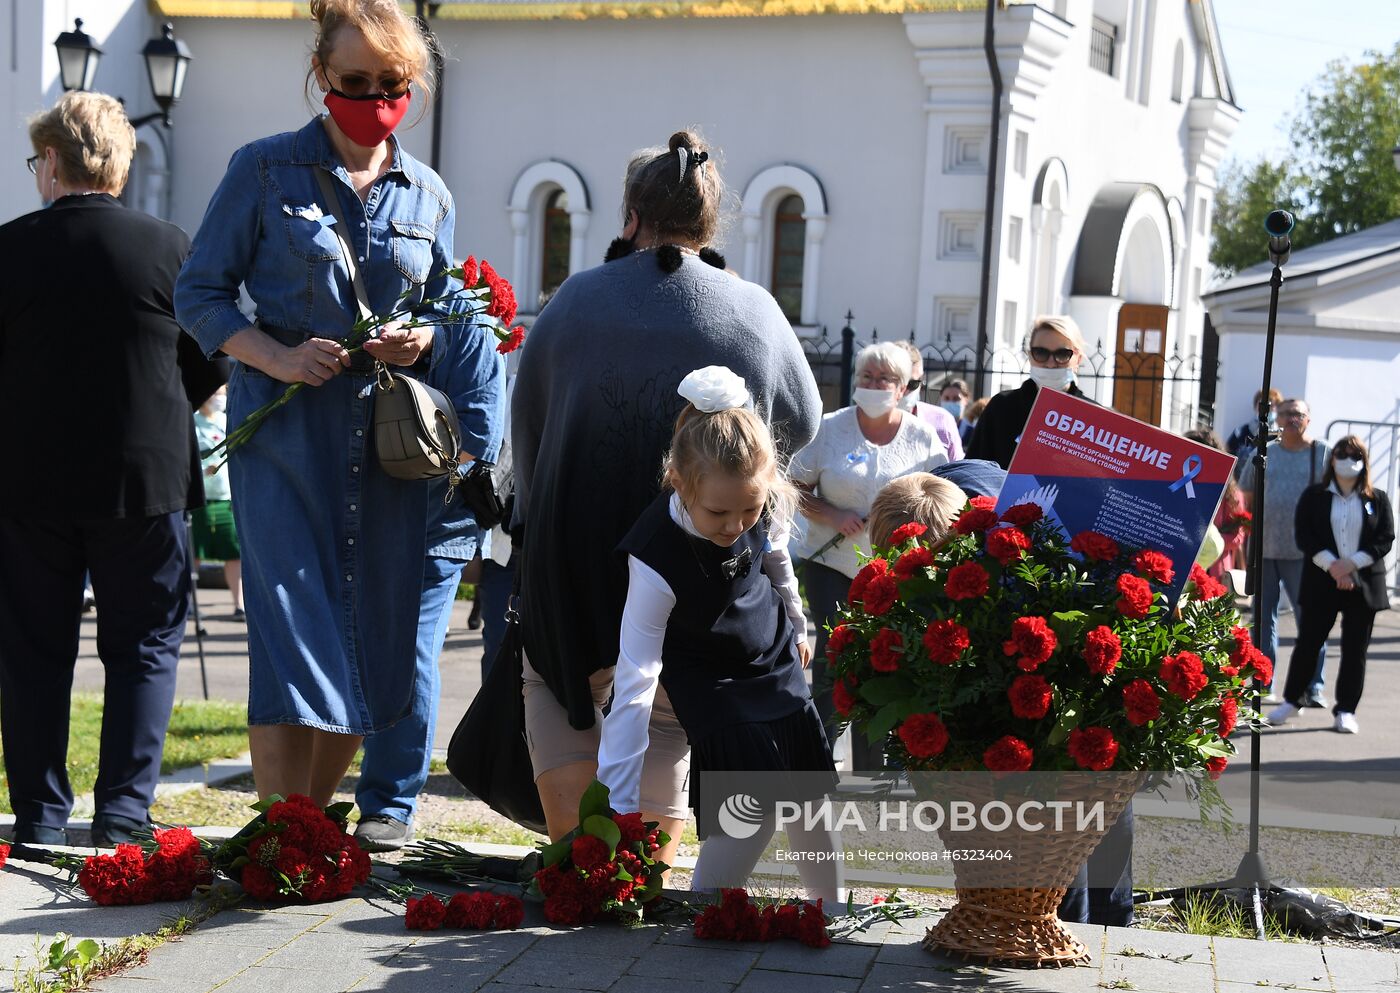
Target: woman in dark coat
column 1345, row 529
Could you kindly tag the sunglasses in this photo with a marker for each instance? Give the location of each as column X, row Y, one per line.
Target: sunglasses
column 33, row 163
column 358, row 86
column 1060, row 355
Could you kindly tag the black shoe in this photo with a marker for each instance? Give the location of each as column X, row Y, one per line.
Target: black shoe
column 382, row 833
column 474, row 618
column 111, row 831
column 37, row 834
column 238, row 614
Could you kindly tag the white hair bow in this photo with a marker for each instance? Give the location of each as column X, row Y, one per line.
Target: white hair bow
column 715, row 388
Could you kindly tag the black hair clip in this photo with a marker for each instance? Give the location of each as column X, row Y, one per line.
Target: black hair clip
column 737, row 567
column 620, row 248
column 688, row 160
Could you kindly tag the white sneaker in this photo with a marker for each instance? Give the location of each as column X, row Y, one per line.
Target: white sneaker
column 1346, row 723
column 1282, row 714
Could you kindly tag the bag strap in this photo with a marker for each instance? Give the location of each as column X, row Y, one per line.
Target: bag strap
column 328, row 193
column 1312, row 462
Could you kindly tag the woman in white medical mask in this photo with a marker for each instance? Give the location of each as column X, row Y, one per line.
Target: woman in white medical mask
column 1345, row 529
column 857, row 450
column 1056, row 347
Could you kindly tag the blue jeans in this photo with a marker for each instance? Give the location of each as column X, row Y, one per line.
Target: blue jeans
column 494, row 593
column 1288, row 574
column 395, row 766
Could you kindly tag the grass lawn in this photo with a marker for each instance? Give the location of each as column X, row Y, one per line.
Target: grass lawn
column 200, row 730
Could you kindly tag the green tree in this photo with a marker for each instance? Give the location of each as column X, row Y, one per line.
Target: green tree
column 1341, row 178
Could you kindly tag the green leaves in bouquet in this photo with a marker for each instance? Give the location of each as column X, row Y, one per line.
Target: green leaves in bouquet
column 232, row 855
column 603, row 828
column 557, row 851
column 595, row 802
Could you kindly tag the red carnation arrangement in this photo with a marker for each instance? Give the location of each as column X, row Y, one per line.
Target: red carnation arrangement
column 737, row 918
column 465, row 911
column 4, row 854
column 604, row 867
column 1040, row 651
column 295, row 852
column 170, row 869
column 906, row 531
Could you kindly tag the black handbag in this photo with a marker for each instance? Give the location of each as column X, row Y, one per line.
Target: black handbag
column 488, row 754
column 478, row 488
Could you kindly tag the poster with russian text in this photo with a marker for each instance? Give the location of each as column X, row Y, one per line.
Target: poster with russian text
column 1091, row 468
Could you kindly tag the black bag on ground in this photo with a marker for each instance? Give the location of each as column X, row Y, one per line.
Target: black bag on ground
column 487, row 753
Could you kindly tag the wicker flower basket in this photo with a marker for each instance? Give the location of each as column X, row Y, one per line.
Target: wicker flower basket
column 999, row 919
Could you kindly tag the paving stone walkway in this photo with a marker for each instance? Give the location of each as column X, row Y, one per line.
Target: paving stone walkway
column 362, row 945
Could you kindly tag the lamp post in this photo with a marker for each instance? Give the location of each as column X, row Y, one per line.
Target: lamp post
column 167, row 62
column 1395, row 156
column 78, row 56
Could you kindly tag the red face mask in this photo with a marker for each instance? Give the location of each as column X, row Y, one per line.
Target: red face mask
column 367, row 120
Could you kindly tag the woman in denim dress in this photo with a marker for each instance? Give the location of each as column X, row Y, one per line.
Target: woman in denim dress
column 333, row 548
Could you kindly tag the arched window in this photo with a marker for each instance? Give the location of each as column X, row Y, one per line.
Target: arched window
column 554, row 254
column 1178, row 71
column 789, row 252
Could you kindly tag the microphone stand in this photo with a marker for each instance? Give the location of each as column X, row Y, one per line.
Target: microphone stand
column 1251, row 873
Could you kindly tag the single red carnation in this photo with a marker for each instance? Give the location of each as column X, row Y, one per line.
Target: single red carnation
column 1092, row 545
column 1215, row 765
column 881, row 595
column 1207, row 586
column 1102, row 650
column 1229, row 715
column 884, row 650
column 945, row 641
column 510, row 911
column 918, row 557
column 1154, row 565
column 1184, row 674
column 588, row 852
column 1031, row 639
column 424, row 914
column 976, row 519
column 502, row 304
column 471, row 274
column 1263, row 668
column 1093, row 748
column 842, row 635
column 1023, row 515
column 1008, row 754
column 906, row 531
column 966, row 582
column 1135, row 598
column 1030, row 697
column 871, row 569
column 258, row 883
column 811, row 928
column 983, row 503
column 924, row 735
column 632, row 826
column 1141, row 702
column 1007, row 544
column 514, row 338
column 4, row 854
column 843, row 695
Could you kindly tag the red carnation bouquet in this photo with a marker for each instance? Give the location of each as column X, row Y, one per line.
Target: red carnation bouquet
column 1007, row 648
column 477, row 296
column 737, row 918
column 1239, row 520
column 169, row 868
column 295, row 852
column 605, row 867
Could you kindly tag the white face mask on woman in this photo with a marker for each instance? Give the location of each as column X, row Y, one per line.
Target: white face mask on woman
column 1348, row 468
column 874, row 403
column 1055, row 377
column 218, row 403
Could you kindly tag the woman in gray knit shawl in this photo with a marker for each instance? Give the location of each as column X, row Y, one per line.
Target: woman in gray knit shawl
column 594, row 406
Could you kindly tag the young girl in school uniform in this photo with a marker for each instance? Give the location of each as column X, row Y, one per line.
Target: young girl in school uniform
column 714, row 616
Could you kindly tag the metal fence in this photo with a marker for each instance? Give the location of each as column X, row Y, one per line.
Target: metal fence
column 1161, row 389
column 1382, row 440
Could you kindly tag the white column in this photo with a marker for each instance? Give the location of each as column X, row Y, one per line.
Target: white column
column 753, row 232
column 520, row 225
column 578, row 241
column 811, row 266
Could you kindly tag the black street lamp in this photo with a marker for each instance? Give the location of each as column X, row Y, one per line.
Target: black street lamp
column 167, row 61
column 78, row 56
